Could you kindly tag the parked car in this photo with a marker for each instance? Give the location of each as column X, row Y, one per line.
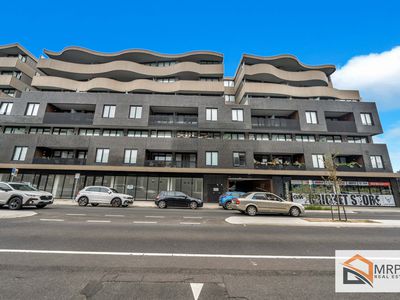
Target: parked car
column 96, row 195
column 177, row 199
column 225, row 200
column 260, row 202
column 16, row 195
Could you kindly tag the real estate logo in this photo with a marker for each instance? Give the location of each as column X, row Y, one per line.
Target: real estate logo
column 362, row 271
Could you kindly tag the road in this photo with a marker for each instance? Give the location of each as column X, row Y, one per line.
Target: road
column 148, row 253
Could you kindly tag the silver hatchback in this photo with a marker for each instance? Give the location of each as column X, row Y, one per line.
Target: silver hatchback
column 261, row 202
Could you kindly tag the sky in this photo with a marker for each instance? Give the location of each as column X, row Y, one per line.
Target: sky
column 349, row 34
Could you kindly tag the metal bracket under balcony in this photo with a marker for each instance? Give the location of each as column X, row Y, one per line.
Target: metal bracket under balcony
column 68, row 118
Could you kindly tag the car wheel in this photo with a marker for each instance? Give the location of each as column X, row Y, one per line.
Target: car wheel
column 83, row 201
column 294, row 211
column 251, row 210
column 15, row 203
column 193, row 205
column 94, row 204
column 162, row 204
column 228, row 205
column 224, row 206
column 41, row 205
column 116, row 202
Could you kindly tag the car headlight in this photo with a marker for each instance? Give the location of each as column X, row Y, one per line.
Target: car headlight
column 31, row 195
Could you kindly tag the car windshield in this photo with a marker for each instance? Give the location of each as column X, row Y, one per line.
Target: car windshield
column 114, row 190
column 22, row 187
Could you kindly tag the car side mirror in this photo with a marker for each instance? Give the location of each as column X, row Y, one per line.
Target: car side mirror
column 110, row 192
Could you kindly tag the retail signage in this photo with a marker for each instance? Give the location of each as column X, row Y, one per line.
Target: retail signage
column 345, row 199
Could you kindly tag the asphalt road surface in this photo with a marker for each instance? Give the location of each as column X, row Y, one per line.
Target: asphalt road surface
column 69, row 252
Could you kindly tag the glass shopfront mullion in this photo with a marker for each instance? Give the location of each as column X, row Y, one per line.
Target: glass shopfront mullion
column 42, row 182
column 119, row 184
column 98, row 180
column 131, row 185
column 152, row 188
column 141, row 188
column 50, row 182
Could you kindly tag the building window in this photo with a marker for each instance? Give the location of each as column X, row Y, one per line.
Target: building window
column 166, row 79
column 130, row 156
column 330, row 138
column 89, row 132
column 102, row 155
column 259, row 136
column 14, row 130
column 357, row 140
column 211, row 158
column 282, row 137
column 211, row 114
column 311, row 117
column 210, row 135
column 376, row 161
column 161, row 134
column 138, row 133
column 239, row 159
column 5, row 108
column 305, row 138
column 135, row 112
column 229, row 83
column 113, row 132
column 32, row 109
column 230, row 98
column 39, row 130
column 237, row 115
column 20, row 153
column 109, row 111
column 63, row 131
column 233, row 136
column 366, row 119
column 318, row 161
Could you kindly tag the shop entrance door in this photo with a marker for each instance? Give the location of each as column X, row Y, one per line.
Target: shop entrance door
column 214, row 191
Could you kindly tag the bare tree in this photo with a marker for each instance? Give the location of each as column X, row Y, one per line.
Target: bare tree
column 336, row 182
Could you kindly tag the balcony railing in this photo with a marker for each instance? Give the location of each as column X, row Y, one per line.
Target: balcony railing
column 68, row 118
column 59, row 161
column 277, row 123
column 173, row 120
column 341, row 126
column 170, row 164
column 260, row 165
column 354, row 168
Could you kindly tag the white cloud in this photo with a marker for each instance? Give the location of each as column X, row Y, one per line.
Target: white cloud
column 376, row 75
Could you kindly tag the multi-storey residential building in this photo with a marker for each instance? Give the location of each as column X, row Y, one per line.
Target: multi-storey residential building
column 17, row 68
column 144, row 122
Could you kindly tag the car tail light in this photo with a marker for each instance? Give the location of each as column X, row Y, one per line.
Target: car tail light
column 235, row 200
column 158, row 197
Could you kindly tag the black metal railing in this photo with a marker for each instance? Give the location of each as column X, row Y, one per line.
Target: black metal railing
column 68, row 118
column 276, row 123
column 267, row 166
column 173, row 120
column 355, row 168
column 170, row 164
column 59, row 161
column 341, row 126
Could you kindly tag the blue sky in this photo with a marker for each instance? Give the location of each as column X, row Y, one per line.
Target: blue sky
column 316, row 31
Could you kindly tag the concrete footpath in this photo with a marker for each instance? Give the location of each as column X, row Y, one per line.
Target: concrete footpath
column 290, row 221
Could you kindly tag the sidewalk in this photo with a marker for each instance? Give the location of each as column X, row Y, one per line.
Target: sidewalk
column 290, row 221
column 136, row 203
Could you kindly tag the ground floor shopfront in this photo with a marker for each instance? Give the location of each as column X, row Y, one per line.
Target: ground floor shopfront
column 365, row 191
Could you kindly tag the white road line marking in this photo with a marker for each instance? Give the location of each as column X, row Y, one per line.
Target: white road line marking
column 189, row 223
column 294, row 257
column 76, row 214
column 114, row 215
column 196, row 289
column 193, row 217
column 157, row 217
column 55, row 220
column 144, row 222
column 98, row 221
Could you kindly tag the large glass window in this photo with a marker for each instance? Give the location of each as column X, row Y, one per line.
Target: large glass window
column 152, row 188
column 5, row 108
column 376, row 162
column 311, row 117
column 211, row 158
column 32, row 109
column 109, row 111
column 102, row 155
column 20, row 153
column 141, row 188
column 130, row 156
column 366, row 119
column 239, row 159
column 135, row 112
column 211, row 114
column 318, row 161
column 237, row 115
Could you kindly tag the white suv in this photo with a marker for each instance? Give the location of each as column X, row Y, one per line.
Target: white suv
column 96, row 195
column 15, row 195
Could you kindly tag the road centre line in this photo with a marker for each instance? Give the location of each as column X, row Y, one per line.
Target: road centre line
column 193, row 217
column 54, row 220
column 76, row 214
column 189, row 223
column 115, row 216
column 192, row 255
column 98, row 221
column 144, row 222
column 156, row 217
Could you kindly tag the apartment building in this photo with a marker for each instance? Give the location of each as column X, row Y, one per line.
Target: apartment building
column 144, row 122
column 17, row 68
